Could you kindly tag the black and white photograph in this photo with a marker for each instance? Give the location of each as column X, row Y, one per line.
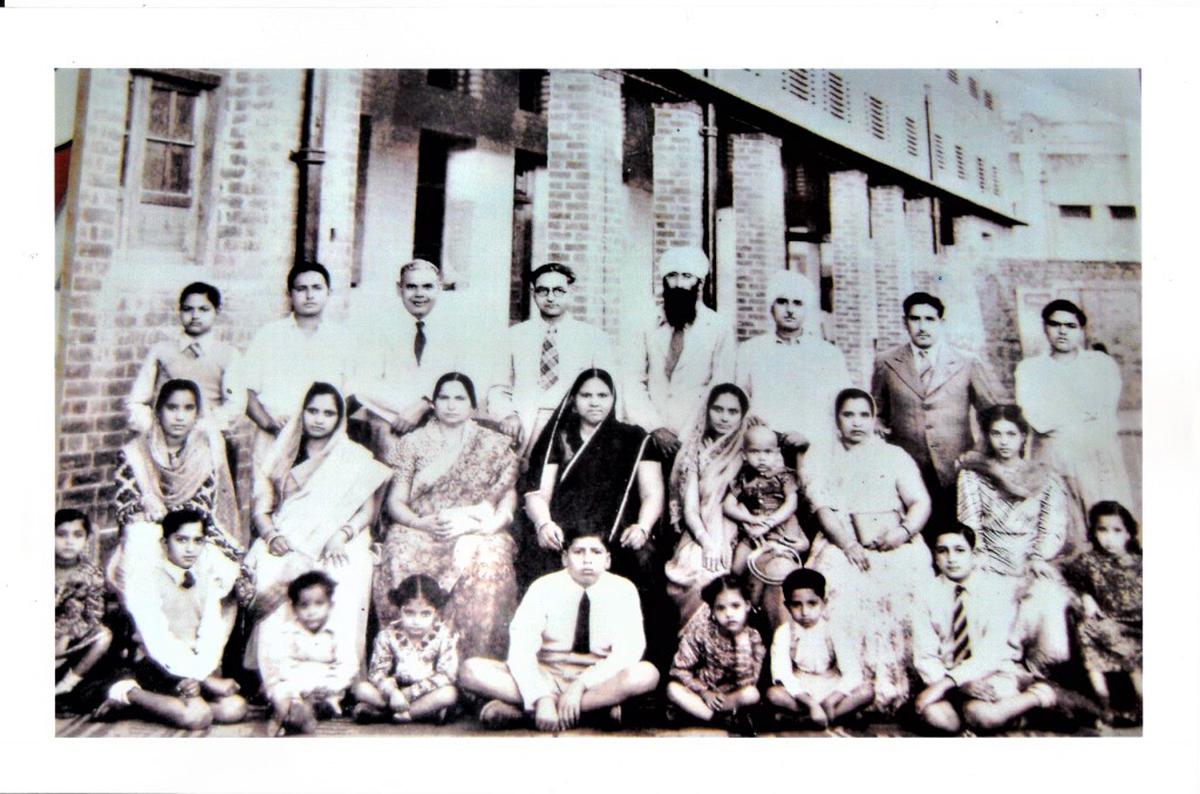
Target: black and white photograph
column 735, row 401
column 601, row 398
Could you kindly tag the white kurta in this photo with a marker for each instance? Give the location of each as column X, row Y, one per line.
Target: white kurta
column 793, row 385
column 707, row 359
column 283, row 361
column 1075, row 400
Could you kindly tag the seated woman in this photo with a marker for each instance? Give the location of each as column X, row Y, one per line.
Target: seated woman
column 588, row 469
column 1025, row 519
column 177, row 466
column 709, row 458
column 314, row 496
column 871, row 505
column 452, row 499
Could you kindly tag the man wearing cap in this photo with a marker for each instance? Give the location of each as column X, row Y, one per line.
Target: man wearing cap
column 924, row 390
column 689, row 350
column 542, row 356
column 793, row 375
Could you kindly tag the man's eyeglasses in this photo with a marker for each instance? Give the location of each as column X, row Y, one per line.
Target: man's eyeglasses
column 542, row 292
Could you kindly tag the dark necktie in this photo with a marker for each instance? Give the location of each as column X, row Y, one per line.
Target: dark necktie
column 188, row 580
column 583, row 626
column 419, row 341
column 958, row 628
column 924, row 367
column 674, row 351
column 193, row 350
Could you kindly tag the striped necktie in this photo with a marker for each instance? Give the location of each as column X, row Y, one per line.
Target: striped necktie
column 924, row 367
column 958, row 628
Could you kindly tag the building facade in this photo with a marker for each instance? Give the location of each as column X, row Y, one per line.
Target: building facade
column 871, row 183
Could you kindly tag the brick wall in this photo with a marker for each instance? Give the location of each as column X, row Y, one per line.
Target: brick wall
column 585, row 204
column 893, row 262
column 849, row 256
column 759, row 224
column 678, row 175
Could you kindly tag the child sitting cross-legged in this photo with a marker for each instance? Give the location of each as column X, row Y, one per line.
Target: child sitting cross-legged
column 575, row 645
column 817, row 670
column 177, row 614
column 306, row 667
column 715, row 671
column 414, row 662
column 80, row 639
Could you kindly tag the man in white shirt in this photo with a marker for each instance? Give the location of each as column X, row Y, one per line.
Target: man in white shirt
column 400, row 362
column 177, row 611
column 962, row 626
column 575, row 645
column 793, row 375
column 287, row 356
column 688, row 351
column 542, row 356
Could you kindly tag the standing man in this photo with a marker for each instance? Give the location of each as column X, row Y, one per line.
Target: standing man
column 542, row 356
column 793, row 375
column 400, row 364
column 924, row 391
column 287, row 356
column 690, row 350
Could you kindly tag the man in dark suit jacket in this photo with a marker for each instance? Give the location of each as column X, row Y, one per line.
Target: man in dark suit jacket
column 924, row 391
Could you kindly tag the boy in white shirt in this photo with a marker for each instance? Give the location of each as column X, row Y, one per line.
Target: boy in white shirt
column 575, row 645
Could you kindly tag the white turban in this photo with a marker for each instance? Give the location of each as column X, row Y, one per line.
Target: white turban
column 791, row 284
column 684, row 259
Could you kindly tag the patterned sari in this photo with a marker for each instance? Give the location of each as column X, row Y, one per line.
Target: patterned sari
column 472, row 477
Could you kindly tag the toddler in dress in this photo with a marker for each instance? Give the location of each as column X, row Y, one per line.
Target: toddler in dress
column 414, row 662
column 816, row 670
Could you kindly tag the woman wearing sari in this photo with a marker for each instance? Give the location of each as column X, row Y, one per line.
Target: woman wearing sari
column 709, row 458
column 452, row 499
column 871, row 504
column 1024, row 519
column 589, row 470
column 315, row 494
column 176, row 466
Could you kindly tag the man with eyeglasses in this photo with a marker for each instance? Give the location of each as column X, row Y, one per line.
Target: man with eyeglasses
column 543, row 355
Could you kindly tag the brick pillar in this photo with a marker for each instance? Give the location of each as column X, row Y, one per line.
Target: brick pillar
column 758, row 182
column 479, row 215
column 971, row 254
column 584, row 149
column 339, row 177
column 850, row 257
column 678, row 179
column 893, row 262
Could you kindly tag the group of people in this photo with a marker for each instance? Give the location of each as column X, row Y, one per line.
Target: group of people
column 551, row 533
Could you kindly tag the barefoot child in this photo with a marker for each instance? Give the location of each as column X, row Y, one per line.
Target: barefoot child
column 575, row 645
column 414, row 662
column 178, row 616
column 817, row 670
column 80, row 639
column 716, row 669
column 1108, row 579
column 306, row 667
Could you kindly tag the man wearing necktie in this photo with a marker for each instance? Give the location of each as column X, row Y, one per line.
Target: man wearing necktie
column 575, row 645
column 688, row 351
column 924, row 391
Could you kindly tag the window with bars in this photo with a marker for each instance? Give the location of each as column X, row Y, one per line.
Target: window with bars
column 911, row 142
column 167, row 133
column 799, row 83
column 877, row 117
column 960, row 162
column 981, row 173
column 837, row 96
column 449, row 79
column 533, row 90
column 952, row 75
column 995, row 181
column 1122, row 212
column 973, row 88
column 939, row 152
column 1075, row 211
column 988, row 101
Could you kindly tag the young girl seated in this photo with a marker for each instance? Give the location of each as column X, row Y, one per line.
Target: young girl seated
column 1108, row 579
column 306, row 667
column 715, row 672
column 763, row 499
column 80, row 639
column 414, row 663
column 816, row 671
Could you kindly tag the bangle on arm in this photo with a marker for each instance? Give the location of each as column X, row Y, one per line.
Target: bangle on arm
column 350, row 532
